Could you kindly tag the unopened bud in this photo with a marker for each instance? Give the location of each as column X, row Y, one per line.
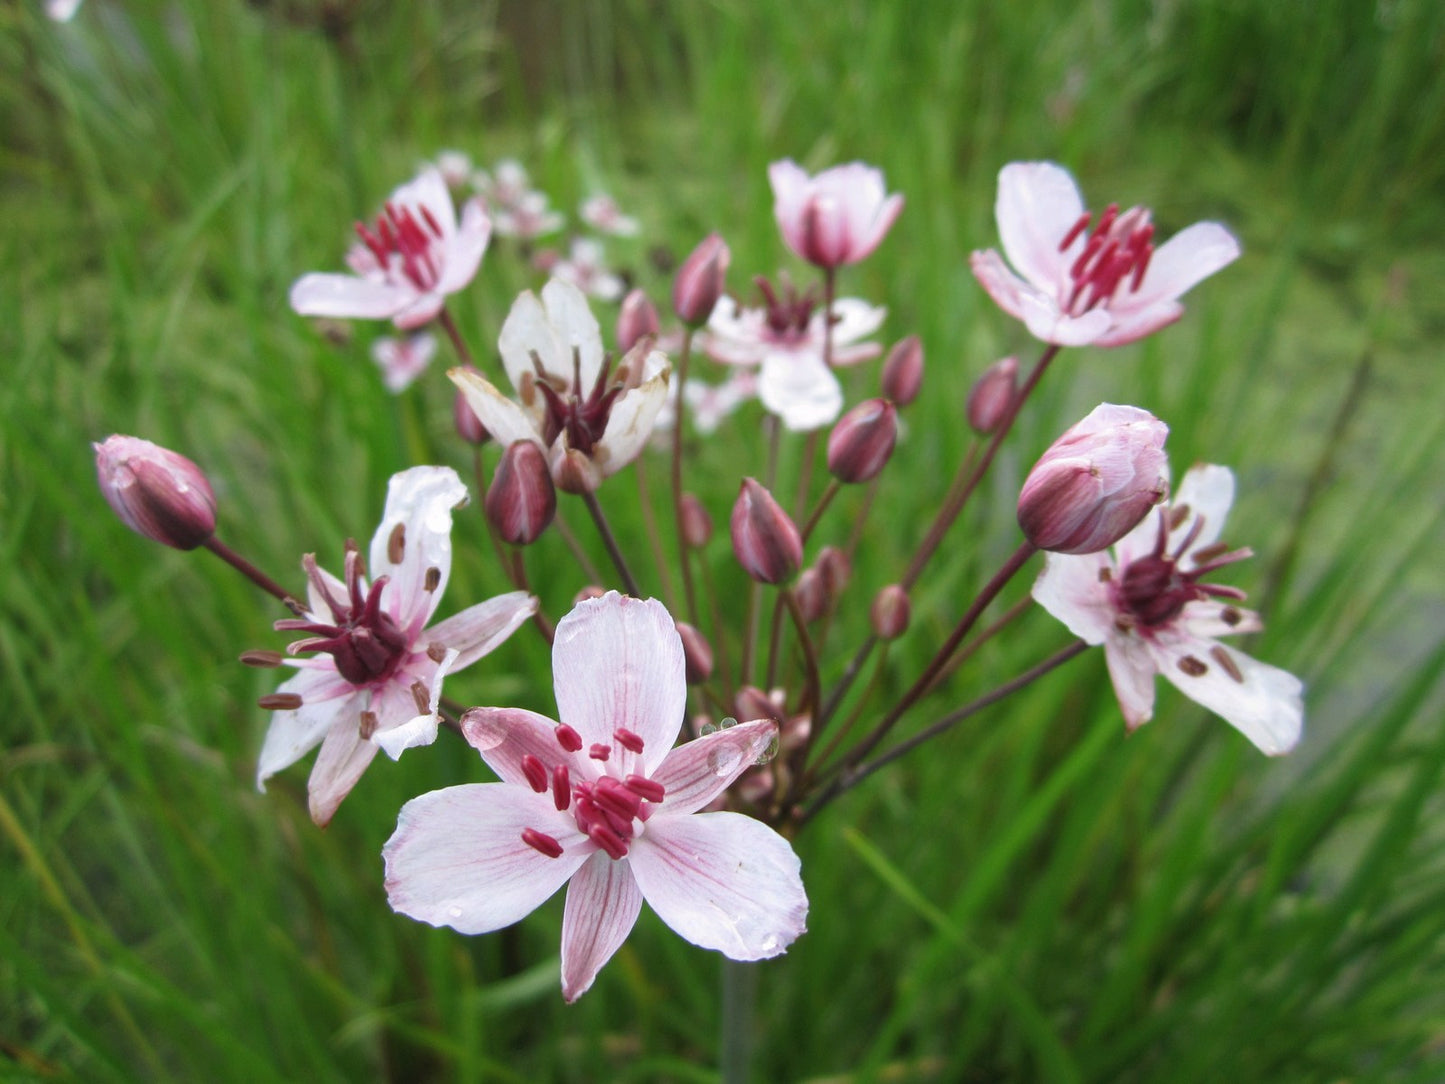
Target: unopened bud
column 862, row 441
column 521, row 500
column 156, row 492
column 812, row 594
column 699, row 281
column 837, row 570
column 636, row 320
column 590, row 591
column 765, row 540
column 696, row 653
column 753, row 704
column 903, row 371
column 575, row 472
column 469, row 426
column 890, row 612
column 1096, row 482
column 696, row 523
column 992, row 395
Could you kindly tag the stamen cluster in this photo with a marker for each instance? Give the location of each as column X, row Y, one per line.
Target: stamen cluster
column 1154, row 589
column 364, row 640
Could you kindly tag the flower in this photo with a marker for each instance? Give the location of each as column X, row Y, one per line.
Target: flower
column 787, row 339
column 590, row 419
column 156, row 492
column 1147, row 606
column 403, row 360
column 1107, row 285
column 604, row 801
column 585, row 269
column 375, row 673
column 407, row 264
column 602, row 213
column 835, row 218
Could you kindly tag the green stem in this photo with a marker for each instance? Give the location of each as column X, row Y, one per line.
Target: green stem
column 739, row 996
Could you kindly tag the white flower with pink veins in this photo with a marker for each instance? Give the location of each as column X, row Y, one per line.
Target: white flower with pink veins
column 1148, row 605
column 408, row 262
column 603, row 800
column 373, row 676
column 786, row 339
column 1075, row 281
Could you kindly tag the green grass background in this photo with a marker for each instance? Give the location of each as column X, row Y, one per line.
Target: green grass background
column 1037, row 897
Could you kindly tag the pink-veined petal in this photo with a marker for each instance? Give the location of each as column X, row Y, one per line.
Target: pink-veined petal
column 1047, row 324
column 617, row 662
column 421, row 311
column 603, row 902
column 325, row 697
column 800, row 390
column 1191, row 255
column 1131, row 669
column 343, row 758
column 419, row 501
column 505, row 735
column 722, row 881
column 1070, row 588
column 402, row 727
column 1265, row 704
column 347, row 297
column 698, row 771
column 790, row 187
column 1037, row 204
column 479, row 629
column 999, row 282
column 457, row 857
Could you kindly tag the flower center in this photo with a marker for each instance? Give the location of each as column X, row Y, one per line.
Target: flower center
column 609, row 810
column 363, row 639
column 583, row 420
column 1117, row 252
column 788, row 312
column 406, row 241
column 1154, row 589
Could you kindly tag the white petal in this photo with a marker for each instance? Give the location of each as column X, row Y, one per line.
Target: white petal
column 419, row 501
column 722, row 881
column 1070, row 588
column 465, row 249
column 1046, row 323
column 457, row 857
column 698, row 771
column 429, row 189
column 574, row 327
column 800, row 390
column 631, row 423
column 411, row 730
column 1183, row 261
column 1131, row 669
column 854, row 319
column 479, row 629
column 1208, row 490
column 505, row 420
column 1038, row 203
column 603, row 902
column 1207, row 618
column 617, row 662
column 1266, row 705
column 1002, row 284
column 1135, row 324
column 524, row 332
column 343, row 758
column 325, row 697
column 348, row 297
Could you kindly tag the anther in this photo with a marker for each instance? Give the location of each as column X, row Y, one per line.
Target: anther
column 1226, row 663
column 396, row 544
column 628, row 739
column 421, row 696
column 368, row 724
column 542, row 842
column 436, row 651
column 561, row 787
column 608, row 840
column 1105, row 575
column 535, row 772
column 280, row 701
column 1230, row 616
column 1177, row 515
column 568, row 738
column 261, row 658
column 599, row 751
column 1075, row 231
column 612, row 795
column 1205, row 554
column 1192, row 666
column 645, row 788
column 432, row 580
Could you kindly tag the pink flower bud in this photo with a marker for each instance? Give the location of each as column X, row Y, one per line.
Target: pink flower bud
column 862, row 441
column 753, row 704
column 699, row 282
column 992, row 395
column 1096, row 482
column 696, row 523
column 521, row 500
column 903, row 371
column 590, row 591
column 890, row 612
column 837, row 570
column 636, row 320
column 469, row 426
column 812, row 594
column 766, row 542
column 155, row 492
column 696, row 653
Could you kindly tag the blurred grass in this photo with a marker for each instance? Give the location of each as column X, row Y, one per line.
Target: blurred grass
column 1038, row 899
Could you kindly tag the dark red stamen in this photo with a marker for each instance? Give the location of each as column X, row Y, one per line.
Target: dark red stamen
column 628, row 739
column 608, row 840
column 561, row 787
column 645, row 789
column 599, row 751
column 568, row 738
column 542, row 842
column 536, row 773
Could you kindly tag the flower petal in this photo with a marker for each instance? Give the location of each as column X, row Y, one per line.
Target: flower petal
column 465, row 249
column 999, row 282
column 1131, row 669
column 505, row 735
column 479, row 629
column 1046, row 323
column 1071, row 589
column 698, row 771
column 325, row 697
column 1191, row 255
column 343, row 758
column 457, row 857
column 1134, row 325
column 575, row 328
column 722, row 881
column 505, row 420
column 1264, row 703
column 399, row 726
column 347, row 297
column 428, row 189
column 852, row 320
column 1037, row 204
column 800, row 389
column 603, row 902
column 617, row 662
column 631, row 423
column 1207, row 618
column 419, row 503
column 1208, row 490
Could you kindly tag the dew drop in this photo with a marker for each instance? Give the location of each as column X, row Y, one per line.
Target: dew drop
column 484, row 732
column 724, row 761
column 454, row 912
column 770, row 944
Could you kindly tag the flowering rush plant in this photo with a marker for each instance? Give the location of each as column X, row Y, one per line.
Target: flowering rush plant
column 708, row 706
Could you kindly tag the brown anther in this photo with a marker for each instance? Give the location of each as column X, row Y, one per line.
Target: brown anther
column 1230, row 616
column 367, row 727
column 1193, row 667
column 1177, row 515
column 527, row 389
column 396, row 544
column 1105, row 575
column 280, row 701
column 433, row 578
column 1123, row 624
column 261, row 658
column 435, row 651
column 1205, row 554
column 421, row 696
column 1226, row 663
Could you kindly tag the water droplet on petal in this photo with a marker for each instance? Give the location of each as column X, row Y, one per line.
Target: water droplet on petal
column 485, row 732
column 724, row 760
column 770, row 943
column 454, row 912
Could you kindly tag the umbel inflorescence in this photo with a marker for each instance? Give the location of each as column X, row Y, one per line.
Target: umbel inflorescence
column 604, row 798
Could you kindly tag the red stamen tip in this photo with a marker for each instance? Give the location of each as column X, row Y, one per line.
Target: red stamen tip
column 568, row 738
column 628, row 739
column 535, row 772
column 543, row 842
